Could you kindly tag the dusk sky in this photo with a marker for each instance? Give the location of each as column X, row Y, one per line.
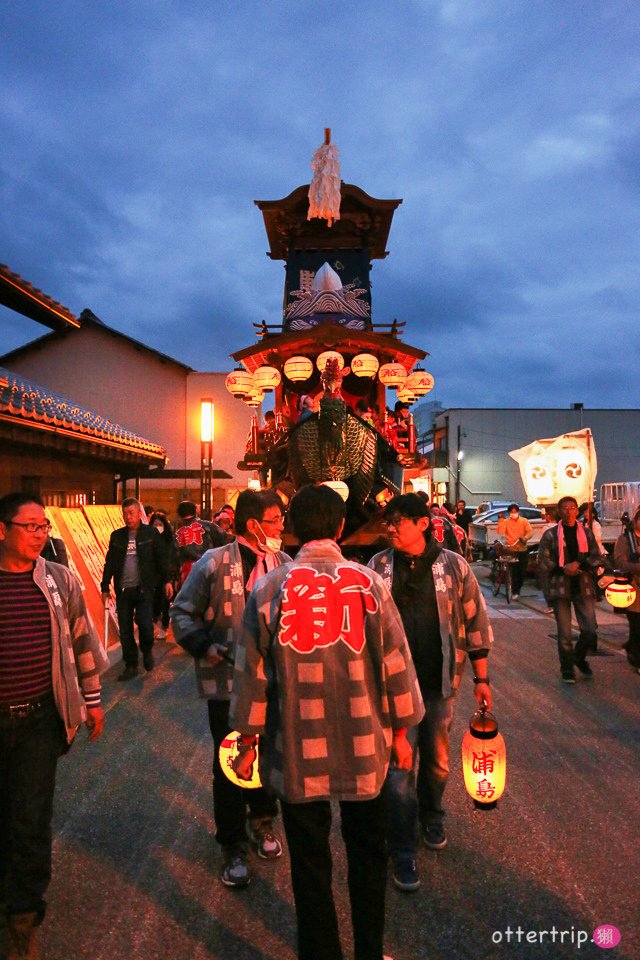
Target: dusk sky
column 135, row 137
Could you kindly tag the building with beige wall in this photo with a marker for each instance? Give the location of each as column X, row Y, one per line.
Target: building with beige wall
column 152, row 394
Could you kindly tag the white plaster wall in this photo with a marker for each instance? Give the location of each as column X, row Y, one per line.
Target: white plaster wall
column 111, row 376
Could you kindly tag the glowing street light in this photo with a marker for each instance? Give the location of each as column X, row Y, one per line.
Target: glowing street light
column 207, row 428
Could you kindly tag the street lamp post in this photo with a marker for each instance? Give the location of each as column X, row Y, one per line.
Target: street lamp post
column 206, row 458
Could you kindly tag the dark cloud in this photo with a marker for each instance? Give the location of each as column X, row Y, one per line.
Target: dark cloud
column 135, row 138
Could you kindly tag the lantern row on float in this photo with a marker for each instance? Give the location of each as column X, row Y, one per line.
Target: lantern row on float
column 243, row 385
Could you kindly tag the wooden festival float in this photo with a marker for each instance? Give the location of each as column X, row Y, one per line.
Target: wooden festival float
column 328, row 363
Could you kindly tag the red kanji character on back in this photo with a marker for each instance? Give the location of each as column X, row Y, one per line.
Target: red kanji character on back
column 319, row 610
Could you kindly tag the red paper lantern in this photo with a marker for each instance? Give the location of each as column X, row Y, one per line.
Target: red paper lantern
column 484, row 760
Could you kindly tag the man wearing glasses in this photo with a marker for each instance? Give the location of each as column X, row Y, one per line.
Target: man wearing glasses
column 568, row 558
column 445, row 618
column 50, row 661
column 206, row 618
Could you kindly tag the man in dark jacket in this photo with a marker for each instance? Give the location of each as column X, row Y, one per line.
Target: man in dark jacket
column 445, row 618
column 136, row 561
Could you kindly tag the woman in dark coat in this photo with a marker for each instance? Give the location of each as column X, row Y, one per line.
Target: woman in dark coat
column 161, row 522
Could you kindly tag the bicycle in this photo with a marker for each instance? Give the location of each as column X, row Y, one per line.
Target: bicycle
column 501, row 571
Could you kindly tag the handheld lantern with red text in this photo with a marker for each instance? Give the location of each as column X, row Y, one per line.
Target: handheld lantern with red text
column 620, row 592
column 228, row 752
column 484, row 760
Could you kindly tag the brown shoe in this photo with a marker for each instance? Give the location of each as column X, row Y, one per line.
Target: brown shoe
column 22, row 937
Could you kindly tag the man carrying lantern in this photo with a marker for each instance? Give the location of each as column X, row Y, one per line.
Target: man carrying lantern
column 445, row 619
column 568, row 558
column 324, row 675
column 206, row 618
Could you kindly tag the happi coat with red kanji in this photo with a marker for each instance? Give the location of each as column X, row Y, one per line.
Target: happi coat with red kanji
column 208, row 609
column 462, row 612
column 324, row 674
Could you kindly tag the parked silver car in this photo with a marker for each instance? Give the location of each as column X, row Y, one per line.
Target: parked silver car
column 493, row 515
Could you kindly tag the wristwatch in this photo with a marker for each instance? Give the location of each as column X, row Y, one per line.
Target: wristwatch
column 482, row 680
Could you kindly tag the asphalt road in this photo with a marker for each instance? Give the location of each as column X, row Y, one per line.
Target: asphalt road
column 135, row 862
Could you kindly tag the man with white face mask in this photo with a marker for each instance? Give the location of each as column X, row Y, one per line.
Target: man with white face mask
column 206, row 618
column 517, row 532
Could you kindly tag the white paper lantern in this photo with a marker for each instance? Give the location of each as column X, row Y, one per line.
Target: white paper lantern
column 339, row 486
column 297, row 369
column 538, row 478
column 365, row 365
column 266, row 378
column 572, row 474
column 392, row 374
column 254, row 398
column 324, row 358
column 239, row 382
column 420, row 382
column 407, row 396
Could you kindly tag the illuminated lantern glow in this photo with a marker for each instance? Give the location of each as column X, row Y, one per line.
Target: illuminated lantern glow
column 383, row 497
column 207, row 421
column 365, row 365
column 539, row 479
column 339, row 486
column 572, row 470
column 228, row 752
column 297, row 369
column 254, row 398
column 323, row 359
column 407, row 396
column 421, row 483
column 239, row 382
column 266, row 378
column 556, row 467
column 484, row 760
column 392, row 374
column 419, row 382
column 620, row 593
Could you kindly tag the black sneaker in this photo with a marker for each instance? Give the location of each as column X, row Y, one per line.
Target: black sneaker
column 568, row 676
column 267, row 844
column 148, row 661
column 235, row 869
column 434, row 836
column 128, row 673
column 405, row 876
column 584, row 668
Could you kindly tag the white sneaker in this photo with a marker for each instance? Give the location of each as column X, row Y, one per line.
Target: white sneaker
column 515, row 596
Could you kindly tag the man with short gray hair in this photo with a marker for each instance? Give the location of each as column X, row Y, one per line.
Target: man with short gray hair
column 136, row 561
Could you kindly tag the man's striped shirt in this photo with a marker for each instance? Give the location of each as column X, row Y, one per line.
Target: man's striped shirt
column 25, row 640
